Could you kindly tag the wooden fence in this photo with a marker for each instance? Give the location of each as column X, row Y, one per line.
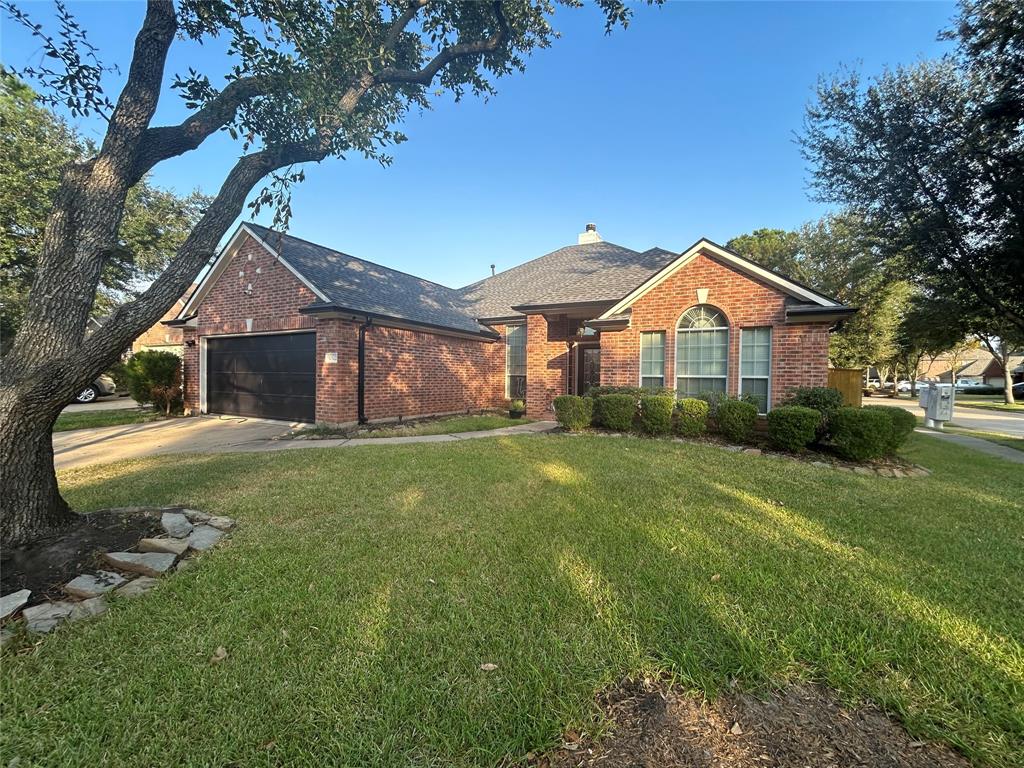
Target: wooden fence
column 850, row 382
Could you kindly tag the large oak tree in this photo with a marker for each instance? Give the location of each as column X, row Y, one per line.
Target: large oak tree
column 310, row 79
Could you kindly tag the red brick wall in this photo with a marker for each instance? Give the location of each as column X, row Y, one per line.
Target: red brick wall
column 547, row 360
column 190, row 372
column 413, row 373
column 161, row 335
column 799, row 352
column 337, row 383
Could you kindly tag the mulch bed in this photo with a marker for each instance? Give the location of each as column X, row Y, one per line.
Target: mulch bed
column 803, row 726
column 48, row 564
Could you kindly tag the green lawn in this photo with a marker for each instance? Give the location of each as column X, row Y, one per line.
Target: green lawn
column 988, row 402
column 111, row 418
column 366, row 586
column 444, row 426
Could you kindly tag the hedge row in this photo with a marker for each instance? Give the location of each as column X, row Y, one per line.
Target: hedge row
column 811, row 415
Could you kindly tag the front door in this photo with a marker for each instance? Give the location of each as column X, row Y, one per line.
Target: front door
column 588, row 373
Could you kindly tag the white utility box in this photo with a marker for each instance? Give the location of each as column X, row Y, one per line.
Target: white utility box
column 937, row 401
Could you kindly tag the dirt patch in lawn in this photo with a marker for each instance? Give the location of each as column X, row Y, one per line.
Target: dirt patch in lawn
column 802, row 727
column 50, row 563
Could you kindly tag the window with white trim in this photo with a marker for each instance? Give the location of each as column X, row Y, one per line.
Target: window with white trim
column 756, row 364
column 702, row 351
column 652, row 360
column 515, row 362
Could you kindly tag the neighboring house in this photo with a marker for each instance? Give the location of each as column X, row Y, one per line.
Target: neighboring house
column 976, row 366
column 284, row 328
column 162, row 337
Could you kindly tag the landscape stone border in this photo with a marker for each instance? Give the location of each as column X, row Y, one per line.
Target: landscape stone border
column 888, row 469
column 127, row 574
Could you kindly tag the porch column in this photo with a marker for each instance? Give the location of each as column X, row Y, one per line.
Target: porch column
column 546, row 364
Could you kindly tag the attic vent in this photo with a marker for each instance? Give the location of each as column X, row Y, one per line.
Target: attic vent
column 589, row 235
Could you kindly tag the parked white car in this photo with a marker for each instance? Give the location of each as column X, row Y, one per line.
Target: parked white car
column 903, row 386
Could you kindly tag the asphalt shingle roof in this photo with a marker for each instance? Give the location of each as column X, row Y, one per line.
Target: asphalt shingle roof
column 363, row 286
column 576, row 273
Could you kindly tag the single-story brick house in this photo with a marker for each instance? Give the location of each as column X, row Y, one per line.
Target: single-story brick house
column 283, row 328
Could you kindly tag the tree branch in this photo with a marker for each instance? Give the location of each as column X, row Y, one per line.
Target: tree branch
column 165, row 142
column 447, row 55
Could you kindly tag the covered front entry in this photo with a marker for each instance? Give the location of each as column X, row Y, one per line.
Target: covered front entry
column 269, row 376
column 588, row 367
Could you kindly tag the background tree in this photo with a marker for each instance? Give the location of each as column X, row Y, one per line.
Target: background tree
column 1001, row 338
column 309, row 79
column 933, row 156
column 773, row 248
column 35, row 145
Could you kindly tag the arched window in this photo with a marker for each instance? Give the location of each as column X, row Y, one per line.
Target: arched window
column 702, row 351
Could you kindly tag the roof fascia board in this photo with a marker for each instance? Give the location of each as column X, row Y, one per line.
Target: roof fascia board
column 333, row 311
column 226, row 254
column 743, row 265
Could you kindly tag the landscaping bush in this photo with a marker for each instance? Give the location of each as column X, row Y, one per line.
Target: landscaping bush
column 825, row 400
column 691, row 417
column 596, row 392
column 574, row 413
column 715, row 398
column 793, row 427
column 155, row 377
column 656, row 414
column 736, row 419
column 861, row 433
column 616, row 411
column 901, row 424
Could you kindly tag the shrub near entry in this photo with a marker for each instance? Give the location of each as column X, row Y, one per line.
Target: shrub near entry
column 736, row 419
column 793, row 427
column 616, row 412
column 861, row 433
column 901, row 424
column 574, row 413
column 656, row 414
column 691, row 417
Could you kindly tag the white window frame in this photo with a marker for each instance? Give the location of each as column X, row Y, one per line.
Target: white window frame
column 768, row 378
column 675, row 340
column 664, row 341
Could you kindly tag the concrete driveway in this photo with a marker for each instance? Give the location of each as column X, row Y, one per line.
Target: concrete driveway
column 1003, row 422
column 206, row 434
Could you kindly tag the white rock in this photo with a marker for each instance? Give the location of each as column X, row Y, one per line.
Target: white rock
column 9, row 604
column 146, row 563
column 46, row 616
column 204, row 537
column 95, row 606
column 195, row 516
column 222, row 523
column 174, row 546
column 137, row 586
column 176, row 524
column 93, row 585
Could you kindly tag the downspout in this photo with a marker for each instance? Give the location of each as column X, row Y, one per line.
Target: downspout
column 361, row 377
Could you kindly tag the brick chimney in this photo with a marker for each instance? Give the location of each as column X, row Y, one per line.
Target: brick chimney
column 590, row 235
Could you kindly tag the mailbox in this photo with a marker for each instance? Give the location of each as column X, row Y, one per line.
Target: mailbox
column 923, row 393
column 937, row 401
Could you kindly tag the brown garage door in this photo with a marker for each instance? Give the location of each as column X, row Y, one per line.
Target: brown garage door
column 272, row 377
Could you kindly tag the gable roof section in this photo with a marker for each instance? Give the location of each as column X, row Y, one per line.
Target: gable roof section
column 576, row 274
column 348, row 283
column 731, row 259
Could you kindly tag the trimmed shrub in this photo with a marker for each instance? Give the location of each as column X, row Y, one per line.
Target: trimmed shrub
column 793, row 427
column 715, row 398
column 596, row 392
column 901, row 424
column 616, row 411
column 656, row 414
column 825, row 400
column 574, row 413
column 155, row 377
column 691, row 417
column 860, row 433
column 736, row 419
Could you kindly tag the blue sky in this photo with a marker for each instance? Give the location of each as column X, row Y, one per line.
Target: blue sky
column 679, row 127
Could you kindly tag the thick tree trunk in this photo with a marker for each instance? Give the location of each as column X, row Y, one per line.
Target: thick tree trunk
column 1007, row 382
column 30, row 504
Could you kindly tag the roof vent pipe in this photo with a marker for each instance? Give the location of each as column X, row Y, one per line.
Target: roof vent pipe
column 589, row 235
column 492, row 270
